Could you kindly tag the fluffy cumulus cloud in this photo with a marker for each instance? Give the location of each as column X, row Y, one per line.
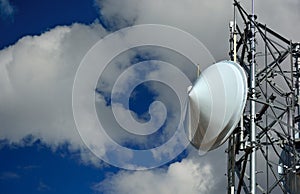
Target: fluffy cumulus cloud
column 200, row 18
column 37, row 74
column 208, row 20
column 187, row 176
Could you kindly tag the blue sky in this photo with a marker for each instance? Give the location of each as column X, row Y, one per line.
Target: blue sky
column 35, row 17
column 36, row 169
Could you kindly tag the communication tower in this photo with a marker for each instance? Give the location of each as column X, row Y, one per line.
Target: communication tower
column 264, row 149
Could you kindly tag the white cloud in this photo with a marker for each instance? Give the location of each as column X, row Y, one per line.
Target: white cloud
column 188, row 176
column 36, row 78
column 37, row 72
column 208, row 20
column 37, row 75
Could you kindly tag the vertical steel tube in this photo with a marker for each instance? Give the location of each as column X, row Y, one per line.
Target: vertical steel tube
column 266, row 117
column 297, row 66
column 231, row 142
column 235, row 60
column 232, row 138
column 252, row 106
column 233, row 135
column 297, row 184
column 294, row 184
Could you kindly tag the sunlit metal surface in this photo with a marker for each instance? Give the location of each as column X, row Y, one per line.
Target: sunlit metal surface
column 216, row 102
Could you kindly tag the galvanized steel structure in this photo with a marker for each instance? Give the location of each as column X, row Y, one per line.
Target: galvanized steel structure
column 263, row 152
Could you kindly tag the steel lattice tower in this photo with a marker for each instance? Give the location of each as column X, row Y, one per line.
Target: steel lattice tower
column 263, row 152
